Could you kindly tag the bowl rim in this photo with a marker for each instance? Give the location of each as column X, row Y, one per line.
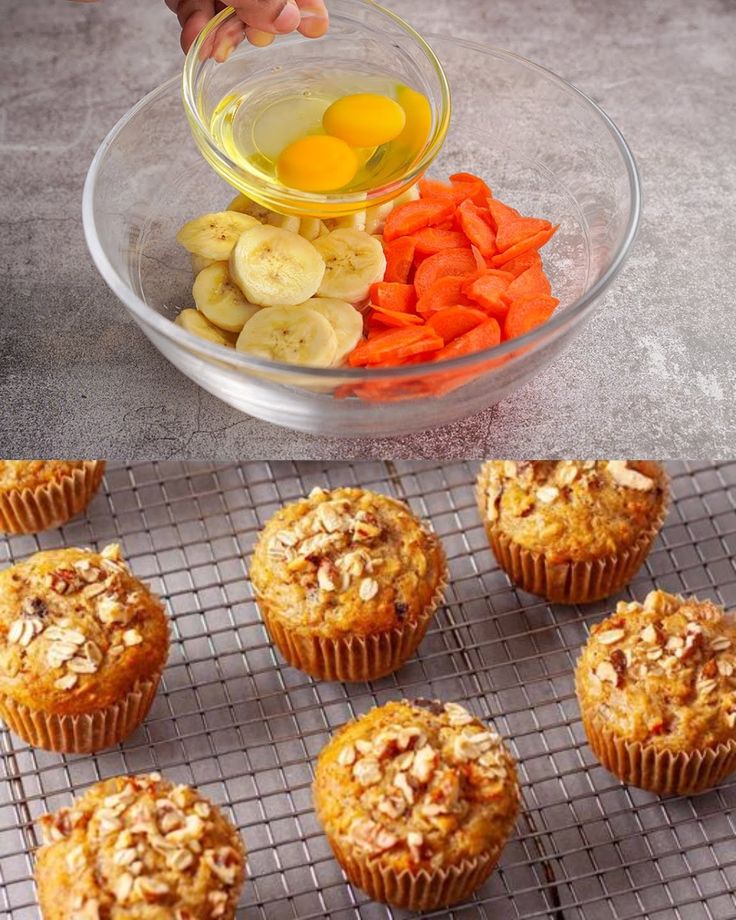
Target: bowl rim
column 300, row 199
column 552, row 328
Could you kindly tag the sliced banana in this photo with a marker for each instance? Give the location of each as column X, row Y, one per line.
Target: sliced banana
column 199, row 263
column 294, row 335
column 354, row 221
column 354, row 261
column 214, row 235
column 411, row 194
column 274, row 267
column 310, row 228
column 284, row 221
column 375, row 217
column 344, row 319
column 246, row 205
column 220, row 300
column 194, row 322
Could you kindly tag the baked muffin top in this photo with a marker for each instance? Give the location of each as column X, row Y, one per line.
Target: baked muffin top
column 139, row 846
column 573, row 510
column 30, row 474
column 662, row 673
column 347, row 561
column 419, row 784
column 77, row 630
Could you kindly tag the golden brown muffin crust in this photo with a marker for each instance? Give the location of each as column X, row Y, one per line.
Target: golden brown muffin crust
column 417, row 785
column 29, row 474
column 573, row 510
column 77, row 630
column 139, row 847
column 662, row 673
column 347, row 561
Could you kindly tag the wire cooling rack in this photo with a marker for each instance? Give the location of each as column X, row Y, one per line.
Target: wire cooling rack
column 234, row 720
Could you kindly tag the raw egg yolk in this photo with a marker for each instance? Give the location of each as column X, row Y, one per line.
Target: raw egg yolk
column 364, row 119
column 418, row 117
column 317, row 163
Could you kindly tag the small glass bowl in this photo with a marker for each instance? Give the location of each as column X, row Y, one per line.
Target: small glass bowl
column 361, row 33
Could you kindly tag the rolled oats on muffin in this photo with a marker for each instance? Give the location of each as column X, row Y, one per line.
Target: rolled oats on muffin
column 139, row 846
column 572, row 531
column 37, row 495
column 347, row 582
column 82, row 647
column 656, row 684
column 417, row 800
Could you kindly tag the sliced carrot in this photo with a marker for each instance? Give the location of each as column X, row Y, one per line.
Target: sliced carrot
column 412, row 216
column 455, row 321
column 532, row 281
column 527, row 313
column 516, row 231
column 458, row 191
column 489, row 292
column 500, row 212
column 434, row 239
column 476, row 224
column 392, row 295
column 483, row 192
column 433, row 188
column 390, row 347
column 480, row 262
column 449, row 263
column 400, row 260
column 447, row 292
column 395, row 318
column 484, row 335
column 533, row 242
column 518, row 265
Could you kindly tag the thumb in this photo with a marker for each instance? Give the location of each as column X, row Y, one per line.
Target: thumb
column 193, row 16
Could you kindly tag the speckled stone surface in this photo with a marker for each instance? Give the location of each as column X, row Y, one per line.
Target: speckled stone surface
column 653, row 374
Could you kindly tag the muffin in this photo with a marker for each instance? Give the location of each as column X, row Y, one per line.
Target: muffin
column 347, row 582
column 138, row 846
column 656, row 684
column 417, row 800
column 36, row 495
column 82, row 647
column 572, row 531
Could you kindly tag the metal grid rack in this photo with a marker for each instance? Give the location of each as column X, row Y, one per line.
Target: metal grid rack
column 234, row 720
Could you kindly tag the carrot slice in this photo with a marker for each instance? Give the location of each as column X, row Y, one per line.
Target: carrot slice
column 532, row 281
column 388, row 348
column 412, row 216
column 391, row 295
column 489, row 292
column 518, row 265
column 400, row 260
column 533, row 242
column 512, row 232
column 484, row 335
column 527, row 313
column 483, row 192
column 455, row 321
column 395, row 317
column 434, row 239
column 447, row 292
column 501, row 213
column 449, row 263
column 476, row 224
column 458, row 191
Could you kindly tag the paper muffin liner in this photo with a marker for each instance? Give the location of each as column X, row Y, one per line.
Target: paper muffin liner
column 85, row 732
column 570, row 582
column 51, row 504
column 350, row 658
column 656, row 770
column 423, row 891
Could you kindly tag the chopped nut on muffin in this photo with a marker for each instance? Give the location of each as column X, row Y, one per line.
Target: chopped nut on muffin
column 572, row 531
column 79, row 636
column 417, row 800
column 36, row 495
column 347, row 582
column 139, row 846
column 657, row 686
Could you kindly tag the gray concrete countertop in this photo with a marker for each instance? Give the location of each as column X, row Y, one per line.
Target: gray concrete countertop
column 653, row 374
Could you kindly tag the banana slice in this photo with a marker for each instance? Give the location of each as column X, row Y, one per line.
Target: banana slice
column 199, row 263
column 220, row 300
column 194, row 322
column 411, row 194
column 355, row 221
column 354, row 262
column 310, row 228
column 273, row 267
column 375, row 217
column 246, row 205
column 284, row 221
column 214, row 235
column 294, row 335
column 344, row 319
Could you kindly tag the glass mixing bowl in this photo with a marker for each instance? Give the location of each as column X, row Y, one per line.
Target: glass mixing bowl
column 543, row 146
column 363, row 37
